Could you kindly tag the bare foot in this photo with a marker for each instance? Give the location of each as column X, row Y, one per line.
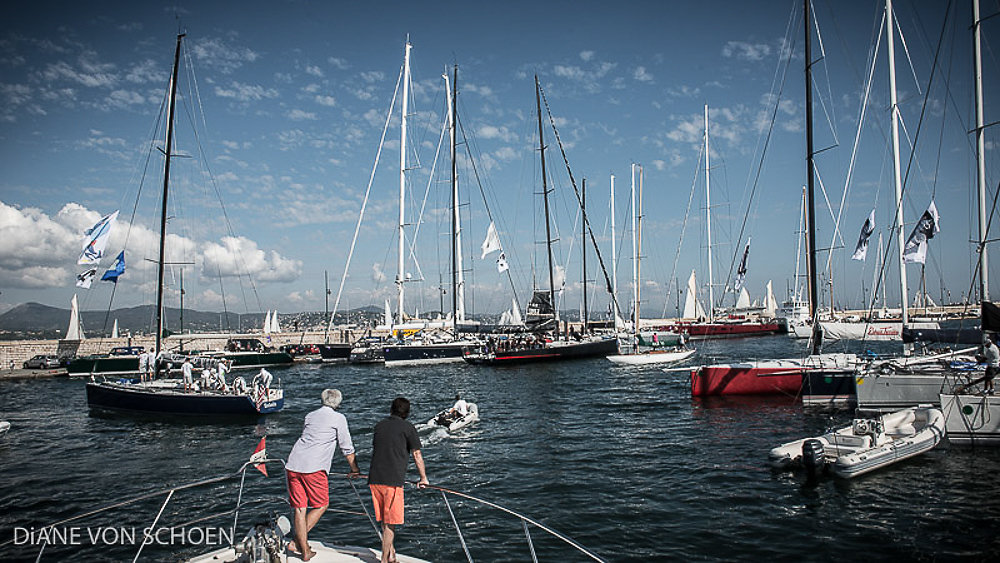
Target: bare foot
column 309, row 555
column 292, row 548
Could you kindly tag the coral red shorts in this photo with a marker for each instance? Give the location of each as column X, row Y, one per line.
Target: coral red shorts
column 388, row 503
column 310, row 490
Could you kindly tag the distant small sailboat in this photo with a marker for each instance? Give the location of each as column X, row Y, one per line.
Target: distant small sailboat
column 75, row 329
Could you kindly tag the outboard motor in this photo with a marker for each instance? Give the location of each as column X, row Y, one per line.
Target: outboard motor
column 813, row 457
column 264, row 543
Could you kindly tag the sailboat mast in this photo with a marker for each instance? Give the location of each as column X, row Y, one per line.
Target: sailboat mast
column 635, row 251
column 400, row 265
column 638, row 256
column 984, row 285
column 545, row 196
column 161, row 263
column 708, row 225
column 811, row 191
column 897, row 176
column 583, row 209
column 456, row 264
column 614, row 258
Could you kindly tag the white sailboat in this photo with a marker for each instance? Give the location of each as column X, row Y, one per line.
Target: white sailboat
column 75, row 329
column 648, row 350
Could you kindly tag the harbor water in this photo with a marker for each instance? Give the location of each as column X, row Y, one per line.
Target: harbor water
column 621, row 459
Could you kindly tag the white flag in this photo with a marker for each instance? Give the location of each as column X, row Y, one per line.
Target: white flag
column 492, row 242
column 861, row 250
column 502, row 263
column 97, row 239
column 86, row 278
column 915, row 250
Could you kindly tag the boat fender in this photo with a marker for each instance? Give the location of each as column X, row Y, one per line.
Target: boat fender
column 813, row 457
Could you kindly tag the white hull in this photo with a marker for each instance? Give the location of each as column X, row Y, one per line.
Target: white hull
column 471, row 417
column 870, row 444
column 651, row 358
column 972, row 420
column 4, row 427
column 324, row 554
column 879, row 331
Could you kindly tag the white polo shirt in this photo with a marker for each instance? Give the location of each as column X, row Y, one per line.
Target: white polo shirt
column 324, row 430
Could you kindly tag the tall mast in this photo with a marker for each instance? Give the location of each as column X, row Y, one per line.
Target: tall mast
column 161, row 264
column 811, row 191
column 614, row 259
column 708, row 225
column 326, row 307
column 984, row 285
column 897, row 176
column 638, row 252
column 545, row 196
column 583, row 210
column 400, row 265
column 797, row 294
column 457, row 277
column 635, row 250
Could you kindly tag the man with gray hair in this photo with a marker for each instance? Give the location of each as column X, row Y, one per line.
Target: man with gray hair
column 310, row 462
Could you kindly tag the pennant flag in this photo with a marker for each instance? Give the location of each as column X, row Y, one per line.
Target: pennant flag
column 259, row 455
column 741, row 272
column 97, row 239
column 116, row 269
column 502, row 263
column 86, row 278
column 861, row 250
column 492, row 242
column 915, row 250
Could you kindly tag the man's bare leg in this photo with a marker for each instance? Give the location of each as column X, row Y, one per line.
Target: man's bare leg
column 388, row 550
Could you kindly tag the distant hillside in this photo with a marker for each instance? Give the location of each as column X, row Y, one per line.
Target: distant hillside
column 34, row 320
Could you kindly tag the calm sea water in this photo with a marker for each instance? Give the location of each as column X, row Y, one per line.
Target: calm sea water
column 623, row 460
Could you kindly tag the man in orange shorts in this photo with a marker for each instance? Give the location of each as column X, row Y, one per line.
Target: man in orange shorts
column 310, row 462
column 394, row 440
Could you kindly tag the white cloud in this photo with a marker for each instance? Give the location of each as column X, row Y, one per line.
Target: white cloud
column 338, row 63
column 328, row 101
column 373, row 76
column 642, row 75
column 235, row 256
column 299, row 115
column 145, row 72
column 245, row 92
column 586, row 55
column 222, row 56
column 314, row 70
column 377, row 274
column 494, row 132
column 746, row 51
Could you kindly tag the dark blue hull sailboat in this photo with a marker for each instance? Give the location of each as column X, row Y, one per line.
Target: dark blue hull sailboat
column 129, row 396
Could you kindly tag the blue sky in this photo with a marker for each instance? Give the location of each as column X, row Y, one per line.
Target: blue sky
column 289, row 98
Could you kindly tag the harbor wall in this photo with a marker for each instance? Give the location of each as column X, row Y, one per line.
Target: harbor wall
column 18, row 351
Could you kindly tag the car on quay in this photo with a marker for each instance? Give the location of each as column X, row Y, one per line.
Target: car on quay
column 43, row 361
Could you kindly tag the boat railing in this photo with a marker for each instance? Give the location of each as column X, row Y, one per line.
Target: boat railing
column 169, row 494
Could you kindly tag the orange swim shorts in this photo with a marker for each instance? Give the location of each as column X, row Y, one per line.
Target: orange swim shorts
column 388, row 502
column 310, row 490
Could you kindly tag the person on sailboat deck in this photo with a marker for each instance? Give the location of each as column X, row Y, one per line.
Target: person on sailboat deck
column 394, row 440
column 992, row 354
column 263, row 380
column 309, row 463
column 143, row 366
column 186, row 372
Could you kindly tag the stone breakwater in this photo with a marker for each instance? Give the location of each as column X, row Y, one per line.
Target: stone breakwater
column 15, row 352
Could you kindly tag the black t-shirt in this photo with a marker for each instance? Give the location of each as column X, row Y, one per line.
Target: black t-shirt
column 392, row 443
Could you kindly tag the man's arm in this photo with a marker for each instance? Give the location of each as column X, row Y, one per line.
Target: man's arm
column 418, row 459
column 354, row 465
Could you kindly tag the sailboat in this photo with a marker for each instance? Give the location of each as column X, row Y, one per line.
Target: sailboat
column 541, row 314
column 434, row 347
column 783, row 376
column 169, row 397
column 710, row 326
column 646, row 348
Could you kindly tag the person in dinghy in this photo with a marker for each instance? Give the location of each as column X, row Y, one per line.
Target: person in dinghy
column 457, row 411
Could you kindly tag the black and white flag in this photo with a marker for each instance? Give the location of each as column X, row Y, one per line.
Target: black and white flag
column 741, row 272
column 915, row 250
column 861, row 251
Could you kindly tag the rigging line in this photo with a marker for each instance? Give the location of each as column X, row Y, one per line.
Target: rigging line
column 579, row 200
column 687, row 213
column 423, row 205
column 482, row 192
column 760, row 165
column 906, row 49
column 364, row 203
column 872, row 57
column 826, row 70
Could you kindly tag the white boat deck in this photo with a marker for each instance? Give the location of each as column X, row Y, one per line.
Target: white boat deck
column 324, row 554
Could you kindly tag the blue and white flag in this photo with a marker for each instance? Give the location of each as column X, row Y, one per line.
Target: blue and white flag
column 915, row 250
column 861, row 250
column 741, row 272
column 97, row 239
column 116, row 269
